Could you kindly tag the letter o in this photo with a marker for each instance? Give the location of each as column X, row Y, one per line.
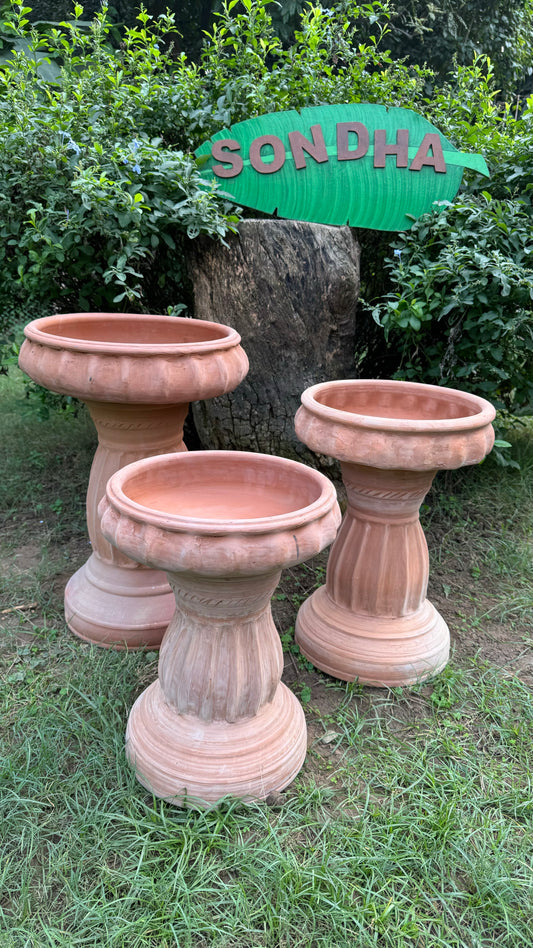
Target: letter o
column 256, row 160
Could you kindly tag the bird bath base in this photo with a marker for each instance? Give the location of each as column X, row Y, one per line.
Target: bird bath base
column 118, row 606
column 137, row 374
column 249, row 759
column 218, row 721
column 372, row 621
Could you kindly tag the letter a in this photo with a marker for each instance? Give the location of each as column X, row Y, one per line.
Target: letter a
column 422, row 157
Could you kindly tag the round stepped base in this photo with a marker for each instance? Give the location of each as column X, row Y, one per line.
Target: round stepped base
column 375, row 650
column 118, row 607
column 191, row 762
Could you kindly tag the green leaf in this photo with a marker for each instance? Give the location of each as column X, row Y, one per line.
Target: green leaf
column 311, row 183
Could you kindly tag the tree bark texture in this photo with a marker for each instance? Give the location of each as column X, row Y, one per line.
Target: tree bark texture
column 290, row 288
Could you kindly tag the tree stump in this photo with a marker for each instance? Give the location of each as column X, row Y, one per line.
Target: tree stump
column 290, row 288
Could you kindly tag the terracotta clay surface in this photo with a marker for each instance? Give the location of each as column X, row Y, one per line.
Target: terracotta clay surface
column 137, row 374
column 223, row 524
column 372, row 620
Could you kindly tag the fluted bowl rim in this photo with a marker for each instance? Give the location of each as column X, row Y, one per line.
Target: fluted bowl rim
column 484, row 415
column 118, row 499
column 39, row 331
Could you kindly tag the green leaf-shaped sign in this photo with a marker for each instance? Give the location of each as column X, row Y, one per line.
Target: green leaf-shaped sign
column 363, row 165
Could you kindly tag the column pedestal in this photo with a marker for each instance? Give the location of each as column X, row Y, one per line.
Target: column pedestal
column 218, row 721
column 111, row 600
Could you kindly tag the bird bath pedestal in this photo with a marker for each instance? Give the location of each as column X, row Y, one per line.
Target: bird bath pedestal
column 137, row 374
column 372, row 620
column 223, row 524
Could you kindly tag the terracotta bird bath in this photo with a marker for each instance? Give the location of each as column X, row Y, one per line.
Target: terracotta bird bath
column 372, row 620
column 137, row 374
column 223, row 524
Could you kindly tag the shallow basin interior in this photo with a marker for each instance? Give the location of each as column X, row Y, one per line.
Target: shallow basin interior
column 144, row 330
column 398, row 402
column 221, row 489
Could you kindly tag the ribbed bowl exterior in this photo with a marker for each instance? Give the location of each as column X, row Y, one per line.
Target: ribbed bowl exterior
column 230, row 546
column 396, row 425
column 102, row 357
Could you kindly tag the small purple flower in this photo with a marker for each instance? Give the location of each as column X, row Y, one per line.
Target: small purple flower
column 136, row 168
column 398, row 253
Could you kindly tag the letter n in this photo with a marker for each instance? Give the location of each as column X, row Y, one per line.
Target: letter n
column 316, row 149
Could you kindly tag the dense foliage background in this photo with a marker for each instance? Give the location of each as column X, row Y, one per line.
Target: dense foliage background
column 425, row 31
column 100, row 114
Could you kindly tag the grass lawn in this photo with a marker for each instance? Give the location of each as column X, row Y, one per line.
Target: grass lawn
column 411, row 823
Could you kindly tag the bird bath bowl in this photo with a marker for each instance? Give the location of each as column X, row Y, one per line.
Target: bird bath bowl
column 372, row 621
column 218, row 721
column 137, row 373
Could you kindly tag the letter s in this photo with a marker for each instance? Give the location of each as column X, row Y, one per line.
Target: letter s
column 221, row 151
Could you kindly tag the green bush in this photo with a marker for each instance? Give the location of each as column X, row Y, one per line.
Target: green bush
column 471, row 112
column 436, row 33
column 99, row 187
column 461, row 311
column 100, row 190
column 90, row 204
column 460, row 306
